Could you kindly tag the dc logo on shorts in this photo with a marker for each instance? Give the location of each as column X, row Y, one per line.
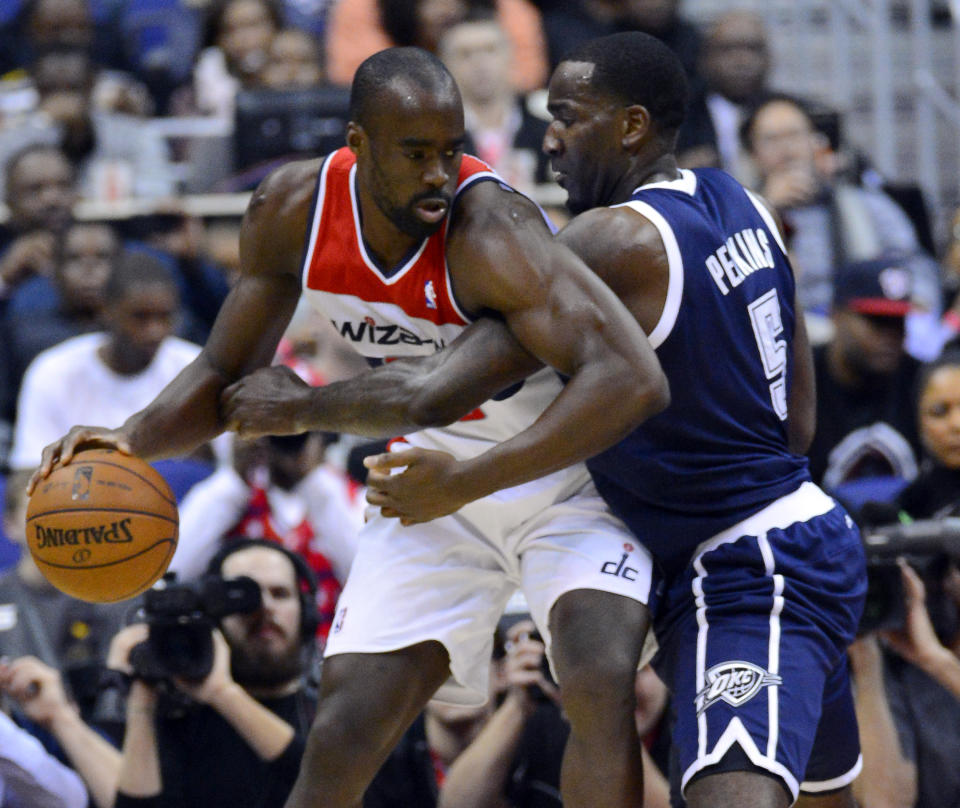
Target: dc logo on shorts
column 735, row 683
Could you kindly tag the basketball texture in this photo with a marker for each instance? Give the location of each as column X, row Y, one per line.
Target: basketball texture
column 104, row 527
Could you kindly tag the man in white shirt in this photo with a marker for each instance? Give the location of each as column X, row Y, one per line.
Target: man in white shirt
column 106, row 376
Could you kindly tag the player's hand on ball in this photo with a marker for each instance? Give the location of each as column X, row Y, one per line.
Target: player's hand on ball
column 270, row 401
column 80, row 437
column 427, row 488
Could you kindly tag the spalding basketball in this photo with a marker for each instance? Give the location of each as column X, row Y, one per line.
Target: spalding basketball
column 104, row 527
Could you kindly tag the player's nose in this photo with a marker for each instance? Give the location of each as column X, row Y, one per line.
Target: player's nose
column 435, row 174
column 551, row 143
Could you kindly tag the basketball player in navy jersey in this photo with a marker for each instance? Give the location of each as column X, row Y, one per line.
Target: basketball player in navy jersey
column 402, row 240
column 763, row 574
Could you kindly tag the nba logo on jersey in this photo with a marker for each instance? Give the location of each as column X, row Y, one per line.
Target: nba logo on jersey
column 735, row 683
column 430, row 294
column 338, row 620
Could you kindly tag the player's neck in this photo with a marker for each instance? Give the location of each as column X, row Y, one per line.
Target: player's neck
column 380, row 235
column 643, row 172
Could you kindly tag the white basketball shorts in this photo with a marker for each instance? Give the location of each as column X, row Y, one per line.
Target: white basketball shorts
column 448, row 580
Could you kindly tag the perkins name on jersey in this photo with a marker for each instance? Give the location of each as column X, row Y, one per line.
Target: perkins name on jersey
column 741, row 255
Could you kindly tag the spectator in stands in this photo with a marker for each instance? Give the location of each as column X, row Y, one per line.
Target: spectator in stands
column 515, row 758
column 116, row 151
column 242, row 742
column 180, row 239
column 908, row 703
column 29, row 775
column 277, row 488
column 935, row 492
column 39, row 193
column 294, row 61
column 39, row 620
column 568, row 23
column 237, row 40
column 829, row 221
column 43, row 702
column 39, row 190
column 109, row 374
column 501, row 129
column 45, row 24
column 866, row 423
column 45, row 311
column 734, row 68
column 359, row 28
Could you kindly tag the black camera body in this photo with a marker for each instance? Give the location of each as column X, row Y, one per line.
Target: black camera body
column 181, row 618
column 927, row 545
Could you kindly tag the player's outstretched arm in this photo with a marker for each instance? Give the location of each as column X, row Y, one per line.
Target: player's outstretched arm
column 398, row 397
column 244, row 337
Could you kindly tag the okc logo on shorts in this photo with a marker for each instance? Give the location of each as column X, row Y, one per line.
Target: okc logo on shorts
column 735, row 683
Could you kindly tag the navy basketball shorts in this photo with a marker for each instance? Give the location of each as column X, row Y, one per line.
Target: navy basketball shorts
column 753, row 639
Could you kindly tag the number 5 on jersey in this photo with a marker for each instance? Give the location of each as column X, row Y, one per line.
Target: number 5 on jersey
column 767, row 327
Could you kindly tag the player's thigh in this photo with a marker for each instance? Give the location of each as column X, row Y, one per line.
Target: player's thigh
column 583, row 573
column 439, row 581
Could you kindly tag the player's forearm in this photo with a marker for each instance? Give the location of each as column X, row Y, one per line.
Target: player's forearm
column 478, row 777
column 599, row 406
column 412, row 394
column 182, row 417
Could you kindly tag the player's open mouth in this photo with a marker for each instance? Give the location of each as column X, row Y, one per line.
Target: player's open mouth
column 560, row 178
column 431, row 210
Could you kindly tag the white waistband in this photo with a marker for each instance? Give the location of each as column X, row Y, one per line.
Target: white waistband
column 803, row 504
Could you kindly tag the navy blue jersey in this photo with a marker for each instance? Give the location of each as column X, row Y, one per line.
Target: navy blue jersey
column 719, row 452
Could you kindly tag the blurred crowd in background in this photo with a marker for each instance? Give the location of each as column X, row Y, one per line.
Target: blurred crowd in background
column 131, row 133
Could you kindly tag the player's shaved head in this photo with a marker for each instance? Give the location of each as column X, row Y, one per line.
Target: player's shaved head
column 397, row 72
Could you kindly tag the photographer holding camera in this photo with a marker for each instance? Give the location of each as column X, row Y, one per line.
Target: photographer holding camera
column 908, row 700
column 241, row 740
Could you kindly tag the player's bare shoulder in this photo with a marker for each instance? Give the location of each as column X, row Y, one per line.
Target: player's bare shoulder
column 625, row 249
column 496, row 245
column 614, row 239
column 487, row 207
column 277, row 217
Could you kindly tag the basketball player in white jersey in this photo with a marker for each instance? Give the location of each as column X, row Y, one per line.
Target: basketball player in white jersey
column 402, row 241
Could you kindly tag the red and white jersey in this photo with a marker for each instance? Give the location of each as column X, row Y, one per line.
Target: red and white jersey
column 406, row 310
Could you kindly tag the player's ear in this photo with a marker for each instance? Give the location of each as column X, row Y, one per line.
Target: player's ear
column 636, row 125
column 355, row 137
